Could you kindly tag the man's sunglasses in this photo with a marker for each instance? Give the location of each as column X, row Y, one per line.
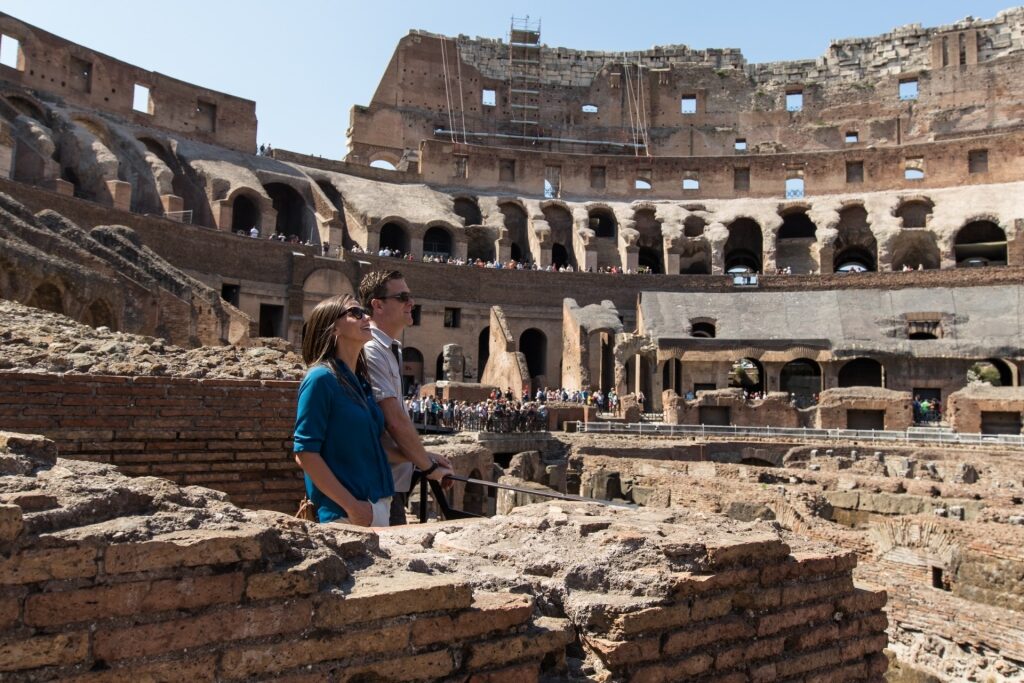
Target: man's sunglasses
column 404, row 297
column 357, row 312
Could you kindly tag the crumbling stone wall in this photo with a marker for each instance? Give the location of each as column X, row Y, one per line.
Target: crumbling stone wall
column 134, row 578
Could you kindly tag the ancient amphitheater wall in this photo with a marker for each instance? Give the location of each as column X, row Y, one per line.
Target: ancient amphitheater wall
column 89, row 79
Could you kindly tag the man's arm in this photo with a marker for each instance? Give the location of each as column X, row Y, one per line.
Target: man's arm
column 408, row 440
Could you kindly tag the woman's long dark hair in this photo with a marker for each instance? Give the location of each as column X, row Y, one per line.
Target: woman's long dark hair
column 319, row 343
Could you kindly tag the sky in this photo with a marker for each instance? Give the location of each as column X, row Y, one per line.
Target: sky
column 307, row 62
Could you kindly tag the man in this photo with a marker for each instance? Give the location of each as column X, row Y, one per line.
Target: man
column 386, row 295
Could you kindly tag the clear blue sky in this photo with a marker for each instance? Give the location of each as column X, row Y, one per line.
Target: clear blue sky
column 306, row 62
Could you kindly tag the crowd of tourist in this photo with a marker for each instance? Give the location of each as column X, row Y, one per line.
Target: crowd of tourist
column 502, row 412
column 927, row 410
column 496, row 264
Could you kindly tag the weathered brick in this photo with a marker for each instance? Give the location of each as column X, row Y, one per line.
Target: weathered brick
column 823, row 634
column 653, row 619
column 520, row 673
column 673, row 671
column 796, row 593
column 617, row 653
column 11, row 522
column 863, row 646
column 105, row 602
column 490, row 612
column 730, row 628
column 779, row 621
column 749, row 652
column 430, row 666
column 214, row 627
column 749, row 552
column 183, row 549
column 396, row 595
column 548, row 635
column 32, row 566
column 686, row 584
column 811, row 661
column 851, row 627
column 62, row 649
column 249, row 661
column 862, row 601
column 839, row 674
column 10, row 610
column 187, row 669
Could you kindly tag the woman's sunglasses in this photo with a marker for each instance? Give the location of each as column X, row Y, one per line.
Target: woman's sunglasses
column 357, row 312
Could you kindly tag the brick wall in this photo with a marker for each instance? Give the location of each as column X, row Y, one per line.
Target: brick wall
column 229, row 435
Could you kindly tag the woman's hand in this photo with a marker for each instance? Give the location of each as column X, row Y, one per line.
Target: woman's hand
column 360, row 513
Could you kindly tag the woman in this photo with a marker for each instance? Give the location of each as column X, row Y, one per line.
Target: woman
column 338, row 425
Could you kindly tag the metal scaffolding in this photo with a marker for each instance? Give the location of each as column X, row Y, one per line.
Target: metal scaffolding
column 524, row 75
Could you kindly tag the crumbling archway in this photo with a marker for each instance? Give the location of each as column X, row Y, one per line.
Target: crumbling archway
column 980, row 243
column 437, row 242
column 560, row 220
column 245, row 213
column 861, row 372
column 856, row 248
column 651, row 253
column 515, row 222
column 290, row 208
column 915, row 212
column 99, row 314
column 394, row 237
column 915, row 250
column 533, row 344
column 48, row 297
column 794, row 241
column 744, row 247
column 468, row 210
column 412, row 366
column 801, row 378
column 747, row 374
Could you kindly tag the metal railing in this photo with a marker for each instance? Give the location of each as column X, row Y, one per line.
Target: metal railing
column 916, row 435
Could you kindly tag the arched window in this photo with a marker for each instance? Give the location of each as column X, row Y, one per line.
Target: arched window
column 914, row 213
column 744, row 247
column 856, row 248
column 560, row 221
column 980, row 243
column 702, row 329
column 515, row 223
column 603, row 223
column 747, row 374
column 802, row 378
column 862, row 372
column 245, row 215
column 467, row 209
column 533, row 344
column 437, row 242
column 383, row 164
column 915, row 250
column 394, row 237
column 47, row 297
column 290, row 209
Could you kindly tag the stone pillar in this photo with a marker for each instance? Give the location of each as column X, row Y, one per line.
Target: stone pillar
column 6, row 159
column 172, row 203
column 223, row 214
column 416, row 246
column 461, row 252
column 671, row 262
column 61, row 186
column 120, row 194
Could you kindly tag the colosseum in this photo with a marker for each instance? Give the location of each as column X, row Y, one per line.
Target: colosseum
column 800, row 280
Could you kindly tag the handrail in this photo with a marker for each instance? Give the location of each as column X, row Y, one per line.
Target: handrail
column 872, row 435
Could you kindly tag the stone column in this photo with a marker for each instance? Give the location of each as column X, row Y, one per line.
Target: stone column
column 120, row 194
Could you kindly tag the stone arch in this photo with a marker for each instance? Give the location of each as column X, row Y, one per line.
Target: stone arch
column 28, row 106
column 914, row 212
column 603, row 222
column 515, row 219
column 802, row 378
column 916, row 250
column 533, row 344
column 794, row 242
column 980, row 243
column 855, row 247
column 480, row 243
column 468, row 209
column 1007, row 371
column 651, row 245
column 703, row 328
column 94, row 126
column 48, row 297
column 291, row 210
column 559, row 218
column 245, row 210
column 861, row 372
column 748, row 374
column 744, row 248
column 385, row 160
column 337, row 200
column 100, row 314
column 437, row 241
column 394, row 235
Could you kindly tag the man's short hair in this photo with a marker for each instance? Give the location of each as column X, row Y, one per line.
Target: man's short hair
column 374, row 285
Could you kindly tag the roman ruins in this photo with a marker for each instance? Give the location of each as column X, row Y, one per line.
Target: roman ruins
column 810, row 272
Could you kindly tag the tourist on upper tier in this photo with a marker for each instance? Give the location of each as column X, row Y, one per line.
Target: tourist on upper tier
column 254, row 232
column 338, row 426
